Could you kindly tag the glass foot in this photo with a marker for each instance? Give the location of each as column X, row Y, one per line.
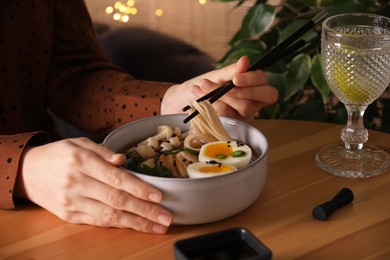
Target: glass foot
column 368, row 162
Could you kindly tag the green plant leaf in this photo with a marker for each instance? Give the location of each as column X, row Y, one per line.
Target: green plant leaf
column 239, row 2
column 347, row 7
column 270, row 38
column 252, row 54
column 258, row 20
column 278, row 67
column 270, row 112
column 337, row 2
column 291, row 28
column 297, row 75
column 290, row 75
column 257, row 45
column 279, row 82
column 318, row 79
column 227, row 1
column 300, row 3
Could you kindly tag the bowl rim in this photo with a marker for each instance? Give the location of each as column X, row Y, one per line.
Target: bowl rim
column 263, row 155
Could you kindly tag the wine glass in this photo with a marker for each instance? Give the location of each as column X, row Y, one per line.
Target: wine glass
column 355, row 53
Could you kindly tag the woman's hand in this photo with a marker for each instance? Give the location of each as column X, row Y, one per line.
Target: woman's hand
column 80, row 182
column 243, row 102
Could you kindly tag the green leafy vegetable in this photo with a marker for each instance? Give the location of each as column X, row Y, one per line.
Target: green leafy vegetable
column 158, row 170
column 134, row 163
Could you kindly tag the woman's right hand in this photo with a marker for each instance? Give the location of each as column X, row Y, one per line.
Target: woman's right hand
column 80, row 182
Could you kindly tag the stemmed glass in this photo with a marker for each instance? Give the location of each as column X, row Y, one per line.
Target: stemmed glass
column 355, row 53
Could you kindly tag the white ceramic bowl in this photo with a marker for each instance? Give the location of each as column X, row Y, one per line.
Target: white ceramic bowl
column 197, row 201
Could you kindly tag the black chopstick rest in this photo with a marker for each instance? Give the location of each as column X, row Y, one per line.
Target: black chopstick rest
column 325, row 210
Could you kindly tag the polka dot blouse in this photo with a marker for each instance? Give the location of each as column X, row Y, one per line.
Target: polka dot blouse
column 49, row 59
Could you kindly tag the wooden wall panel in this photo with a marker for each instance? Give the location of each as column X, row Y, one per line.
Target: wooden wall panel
column 208, row 27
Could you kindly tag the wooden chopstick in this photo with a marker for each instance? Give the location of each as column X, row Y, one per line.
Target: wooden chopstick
column 268, row 59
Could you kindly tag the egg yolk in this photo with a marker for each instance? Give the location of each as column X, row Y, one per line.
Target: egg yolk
column 216, row 169
column 219, row 150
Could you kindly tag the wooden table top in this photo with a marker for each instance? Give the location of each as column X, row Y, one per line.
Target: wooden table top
column 280, row 218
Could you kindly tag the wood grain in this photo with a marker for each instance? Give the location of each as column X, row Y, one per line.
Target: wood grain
column 280, row 218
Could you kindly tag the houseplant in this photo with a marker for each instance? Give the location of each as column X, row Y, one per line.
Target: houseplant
column 303, row 92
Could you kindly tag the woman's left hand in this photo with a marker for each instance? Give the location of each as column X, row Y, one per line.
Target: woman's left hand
column 244, row 101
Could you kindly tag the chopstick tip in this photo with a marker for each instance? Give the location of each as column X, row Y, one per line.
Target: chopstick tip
column 184, row 109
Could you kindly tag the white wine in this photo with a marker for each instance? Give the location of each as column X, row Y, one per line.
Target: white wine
column 357, row 71
column 355, row 54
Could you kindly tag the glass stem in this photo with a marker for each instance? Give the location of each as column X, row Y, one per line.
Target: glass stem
column 354, row 135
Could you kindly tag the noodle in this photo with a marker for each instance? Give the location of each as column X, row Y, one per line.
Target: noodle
column 195, row 140
column 170, row 151
column 205, row 127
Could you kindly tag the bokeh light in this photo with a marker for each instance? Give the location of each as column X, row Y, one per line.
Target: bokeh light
column 117, row 16
column 121, row 11
column 130, row 3
column 109, row 10
column 125, row 18
column 159, row 12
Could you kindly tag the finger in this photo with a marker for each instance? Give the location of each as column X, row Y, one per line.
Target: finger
column 99, row 214
column 251, row 78
column 249, row 85
column 262, row 94
column 105, row 153
column 240, row 66
column 242, row 109
column 93, row 166
column 226, row 110
column 205, row 86
column 226, row 74
column 121, row 200
column 248, row 108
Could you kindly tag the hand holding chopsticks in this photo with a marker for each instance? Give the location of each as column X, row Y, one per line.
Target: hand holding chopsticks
column 286, row 47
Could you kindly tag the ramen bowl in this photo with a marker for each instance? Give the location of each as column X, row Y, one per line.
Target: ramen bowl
column 203, row 200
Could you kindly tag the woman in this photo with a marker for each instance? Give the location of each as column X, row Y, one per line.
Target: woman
column 50, row 60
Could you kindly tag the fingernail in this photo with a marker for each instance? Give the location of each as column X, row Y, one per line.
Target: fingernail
column 154, row 197
column 116, row 156
column 164, row 219
column 159, row 229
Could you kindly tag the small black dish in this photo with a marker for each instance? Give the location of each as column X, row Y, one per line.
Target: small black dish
column 234, row 243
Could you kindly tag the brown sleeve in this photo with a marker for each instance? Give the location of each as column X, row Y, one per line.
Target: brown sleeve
column 85, row 89
column 11, row 149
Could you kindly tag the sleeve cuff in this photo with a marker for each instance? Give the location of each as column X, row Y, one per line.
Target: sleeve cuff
column 11, row 149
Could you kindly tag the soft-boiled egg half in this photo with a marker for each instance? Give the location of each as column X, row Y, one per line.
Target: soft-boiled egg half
column 210, row 169
column 233, row 153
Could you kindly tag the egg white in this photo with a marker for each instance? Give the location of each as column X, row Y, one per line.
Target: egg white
column 205, row 170
column 221, row 152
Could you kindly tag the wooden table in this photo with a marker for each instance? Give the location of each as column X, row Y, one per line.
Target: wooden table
column 281, row 217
